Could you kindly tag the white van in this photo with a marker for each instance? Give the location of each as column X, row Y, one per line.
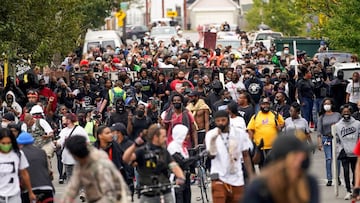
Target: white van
column 102, row 39
column 348, row 68
column 265, row 36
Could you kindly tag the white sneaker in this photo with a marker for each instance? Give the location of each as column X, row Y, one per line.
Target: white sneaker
column 347, row 196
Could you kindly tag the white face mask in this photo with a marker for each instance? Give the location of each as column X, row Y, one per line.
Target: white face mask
column 4, row 125
column 278, row 74
column 327, row 107
column 286, row 51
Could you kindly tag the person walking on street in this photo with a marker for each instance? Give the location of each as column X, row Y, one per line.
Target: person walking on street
column 38, row 170
column 227, row 146
column 153, row 163
column 295, row 123
column 286, row 177
column 325, row 139
column 265, row 126
column 347, row 135
column 13, row 166
column 94, row 172
column 305, row 94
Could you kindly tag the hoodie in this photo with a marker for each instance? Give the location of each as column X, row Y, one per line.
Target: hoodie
column 14, row 104
column 347, row 134
column 179, row 133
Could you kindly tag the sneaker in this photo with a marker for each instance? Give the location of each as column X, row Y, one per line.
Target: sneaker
column 348, row 196
column 329, row 183
column 61, row 181
column 339, row 181
column 82, row 198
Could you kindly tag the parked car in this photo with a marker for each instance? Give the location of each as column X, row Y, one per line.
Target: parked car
column 348, row 68
column 135, row 32
column 341, row 57
column 102, row 39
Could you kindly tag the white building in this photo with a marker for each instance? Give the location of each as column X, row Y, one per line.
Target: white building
column 158, row 9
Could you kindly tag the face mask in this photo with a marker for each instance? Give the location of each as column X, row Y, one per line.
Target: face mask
column 4, row 125
column 126, row 85
column 327, row 107
column 226, row 100
column 286, row 51
column 10, row 100
column 5, row 147
column 277, row 74
column 217, row 90
column 265, row 109
column 177, row 105
column 276, row 101
column 283, row 79
column 222, row 127
column 346, row 117
column 195, row 81
column 138, row 90
column 181, row 78
column 115, row 137
column 140, row 113
column 305, row 164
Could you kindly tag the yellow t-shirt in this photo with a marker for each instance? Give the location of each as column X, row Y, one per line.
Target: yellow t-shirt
column 264, row 126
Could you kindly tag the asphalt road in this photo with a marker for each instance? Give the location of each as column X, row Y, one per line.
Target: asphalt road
column 317, row 168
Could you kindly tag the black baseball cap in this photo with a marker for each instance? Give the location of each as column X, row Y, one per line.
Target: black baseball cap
column 193, row 93
column 119, row 127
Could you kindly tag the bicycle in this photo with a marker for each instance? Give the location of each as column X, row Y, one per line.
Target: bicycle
column 201, row 172
column 157, row 187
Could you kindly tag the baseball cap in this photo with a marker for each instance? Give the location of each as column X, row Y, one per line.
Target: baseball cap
column 36, row 110
column 285, row 144
column 193, row 93
column 265, row 100
column 119, row 127
column 25, row 138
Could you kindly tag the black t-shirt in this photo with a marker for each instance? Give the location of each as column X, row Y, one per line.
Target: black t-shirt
column 246, row 113
column 153, row 163
column 255, row 88
column 305, row 89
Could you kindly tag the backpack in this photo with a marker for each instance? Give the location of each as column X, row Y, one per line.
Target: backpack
column 118, row 94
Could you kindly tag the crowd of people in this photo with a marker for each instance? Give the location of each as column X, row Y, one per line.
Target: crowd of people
column 106, row 131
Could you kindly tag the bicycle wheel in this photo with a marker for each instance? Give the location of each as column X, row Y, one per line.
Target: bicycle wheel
column 203, row 183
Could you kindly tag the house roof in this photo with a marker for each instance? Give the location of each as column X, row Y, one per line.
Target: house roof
column 214, row 4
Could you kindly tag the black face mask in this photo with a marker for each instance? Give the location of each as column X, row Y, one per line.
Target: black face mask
column 177, row 105
column 140, row 113
column 10, row 101
column 283, row 79
column 120, row 108
column 265, row 109
column 180, row 78
column 305, row 164
column 217, row 90
column 340, row 76
column 222, row 127
column 138, row 90
column 346, row 117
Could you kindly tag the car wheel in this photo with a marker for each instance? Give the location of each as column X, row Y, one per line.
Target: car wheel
column 134, row 37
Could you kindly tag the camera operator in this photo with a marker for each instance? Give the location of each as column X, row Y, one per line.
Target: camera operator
column 153, row 162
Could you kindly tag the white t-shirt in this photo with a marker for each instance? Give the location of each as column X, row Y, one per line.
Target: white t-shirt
column 354, row 90
column 234, row 142
column 9, row 172
column 64, row 134
column 233, row 89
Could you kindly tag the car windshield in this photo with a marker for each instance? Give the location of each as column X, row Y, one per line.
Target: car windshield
column 108, row 43
column 163, row 31
column 91, row 45
column 233, row 43
column 266, row 36
column 340, row 57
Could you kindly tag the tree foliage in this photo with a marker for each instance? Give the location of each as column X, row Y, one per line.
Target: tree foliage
column 41, row 28
column 281, row 16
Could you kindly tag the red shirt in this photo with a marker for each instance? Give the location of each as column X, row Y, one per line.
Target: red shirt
column 177, row 119
column 177, row 82
column 357, row 149
column 46, row 92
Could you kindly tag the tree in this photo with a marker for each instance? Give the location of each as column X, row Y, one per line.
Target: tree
column 41, row 28
column 343, row 27
column 281, row 16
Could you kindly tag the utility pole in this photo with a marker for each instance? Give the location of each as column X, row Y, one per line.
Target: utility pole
column 185, row 16
column 163, row 8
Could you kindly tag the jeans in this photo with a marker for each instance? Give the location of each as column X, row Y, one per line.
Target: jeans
column 327, row 147
column 306, row 108
column 347, row 163
column 317, row 108
column 68, row 171
column 60, row 165
column 183, row 192
column 43, row 195
column 168, row 198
